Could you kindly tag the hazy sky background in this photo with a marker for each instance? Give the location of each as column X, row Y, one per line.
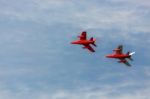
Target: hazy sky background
column 37, row 60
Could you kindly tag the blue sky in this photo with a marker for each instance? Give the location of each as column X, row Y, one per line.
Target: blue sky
column 37, row 60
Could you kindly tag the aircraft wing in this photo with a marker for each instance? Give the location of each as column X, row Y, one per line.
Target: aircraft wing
column 89, row 48
column 119, row 49
column 125, row 62
column 83, row 36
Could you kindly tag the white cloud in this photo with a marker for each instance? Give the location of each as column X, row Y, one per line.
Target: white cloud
column 142, row 94
column 135, row 2
column 50, row 12
column 106, row 93
column 127, row 89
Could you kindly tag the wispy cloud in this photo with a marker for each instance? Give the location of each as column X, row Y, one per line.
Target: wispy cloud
column 38, row 62
column 91, row 15
column 128, row 18
column 144, row 3
column 113, row 92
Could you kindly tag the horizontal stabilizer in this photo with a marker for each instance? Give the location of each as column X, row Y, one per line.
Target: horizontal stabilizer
column 94, row 44
column 130, row 59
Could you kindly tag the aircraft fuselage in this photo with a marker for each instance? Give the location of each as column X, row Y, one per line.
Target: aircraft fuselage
column 82, row 42
column 119, row 56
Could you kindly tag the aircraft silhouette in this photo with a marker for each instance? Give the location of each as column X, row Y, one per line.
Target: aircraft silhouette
column 86, row 43
column 122, row 57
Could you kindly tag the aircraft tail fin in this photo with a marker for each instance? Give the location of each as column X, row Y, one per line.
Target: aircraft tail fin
column 91, row 39
column 128, row 53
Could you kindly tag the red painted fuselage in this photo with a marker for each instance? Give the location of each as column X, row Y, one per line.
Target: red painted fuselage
column 82, row 42
column 118, row 56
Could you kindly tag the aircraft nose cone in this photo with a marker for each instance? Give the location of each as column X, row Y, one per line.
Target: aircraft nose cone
column 107, row 56
column 72, row 42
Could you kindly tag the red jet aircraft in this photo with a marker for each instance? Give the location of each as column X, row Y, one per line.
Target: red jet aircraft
column 86, row 43
column 122, row 57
